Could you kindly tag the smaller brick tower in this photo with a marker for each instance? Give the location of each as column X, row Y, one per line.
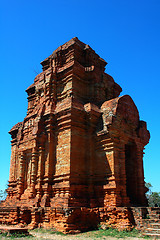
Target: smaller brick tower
column 79, row 150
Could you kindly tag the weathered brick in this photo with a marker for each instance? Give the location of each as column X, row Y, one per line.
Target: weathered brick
column 77, row 155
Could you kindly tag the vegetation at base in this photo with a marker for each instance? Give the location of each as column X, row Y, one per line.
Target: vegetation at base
column 95, row 234
column 15, row 235
column 153, row 197
column 49, row 231
column 98, row 234
column 111, row 232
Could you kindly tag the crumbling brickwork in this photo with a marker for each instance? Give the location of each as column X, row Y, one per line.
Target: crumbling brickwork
column 80, row 146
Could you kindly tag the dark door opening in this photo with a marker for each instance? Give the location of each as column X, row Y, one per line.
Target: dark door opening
column 131, row 172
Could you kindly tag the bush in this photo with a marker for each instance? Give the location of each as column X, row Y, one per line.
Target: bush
column 153, row 197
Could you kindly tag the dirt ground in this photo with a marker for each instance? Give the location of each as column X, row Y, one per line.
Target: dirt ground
column 85, row 236
column 82, row 236
column 42, row 234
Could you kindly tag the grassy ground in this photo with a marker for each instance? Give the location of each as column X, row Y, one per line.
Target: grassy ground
column 109, row 234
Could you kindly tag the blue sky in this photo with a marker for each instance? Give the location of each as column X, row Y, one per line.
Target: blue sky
column 125, row 33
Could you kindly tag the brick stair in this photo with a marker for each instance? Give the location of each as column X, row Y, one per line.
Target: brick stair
column 152, row 223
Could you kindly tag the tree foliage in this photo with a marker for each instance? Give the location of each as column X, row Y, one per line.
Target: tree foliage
column 153, row 197
column 3, row 195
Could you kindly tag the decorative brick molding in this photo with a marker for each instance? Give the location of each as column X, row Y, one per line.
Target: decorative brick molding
column 79, row 147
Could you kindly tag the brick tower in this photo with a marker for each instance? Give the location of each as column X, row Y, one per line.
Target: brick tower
column 80, row 146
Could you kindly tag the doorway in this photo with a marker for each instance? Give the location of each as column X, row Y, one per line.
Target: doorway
column 131, row 167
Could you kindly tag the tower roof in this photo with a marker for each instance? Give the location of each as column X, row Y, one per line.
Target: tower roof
column 71, row 43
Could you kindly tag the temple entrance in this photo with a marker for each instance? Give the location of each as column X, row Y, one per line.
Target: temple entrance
column 26, row 216
column 131, row 172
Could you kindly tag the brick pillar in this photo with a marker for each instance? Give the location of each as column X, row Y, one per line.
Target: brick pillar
column 50, row 157
column 40, row 172
column 92, row 119
column 12, row 175
column 21, row 174
column 91, row 167
column 48, row 165
column 33, row 172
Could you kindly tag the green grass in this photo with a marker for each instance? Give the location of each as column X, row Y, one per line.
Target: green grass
column 21, row 235
column 95, row 234
column 98, row 234
column 111, row 232
column 15, row 235
column 49, row 231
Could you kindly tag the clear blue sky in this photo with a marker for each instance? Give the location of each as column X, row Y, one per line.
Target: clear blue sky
column 125, row 33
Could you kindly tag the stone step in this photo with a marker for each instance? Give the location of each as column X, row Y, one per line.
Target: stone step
column 154, row 212
column 155, row 225
column 156, row 235
column 150, row 221
column 154, row 216
column 152, row 230
column 155, row 208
